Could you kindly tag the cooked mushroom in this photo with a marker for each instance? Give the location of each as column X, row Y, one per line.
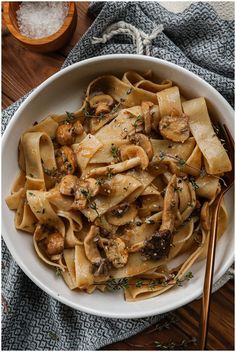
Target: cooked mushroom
column 78, row 128
column 155, row 117
column 175, row 128
column 158, row 246
column 54, row 243
column 101, row 268
column 90, row 245
column 146, row 107
column 64, row 134
column 100, row 265
column 122, row 214
column 144, row 142
column 116, row 252
column 158, row 167
column 65, row 159
column 101, row 103
column 85, row 190
column 134, row 151
column 68, row 185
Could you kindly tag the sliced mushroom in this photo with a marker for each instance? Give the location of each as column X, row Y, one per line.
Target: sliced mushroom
column 175, row 128
column 68, row 185
column 101, row 103
column 65, row 160
column 144, row 142
column 158, row 167
column 116, row 252
column 122, row 214
column 155, row 117
column 90, row 245
column 170, row 205
column 158, row 246
column 146, row 107
column 132, row 151
column 54, row 244
column 100, row 265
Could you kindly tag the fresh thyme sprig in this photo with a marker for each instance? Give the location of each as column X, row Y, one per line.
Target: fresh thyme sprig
column 86, row 193
column 124, row 283
column 58, row 271
column 110, row 173
column 138, row 119
column 93, row 206
column 70, row 116
column 115, row 152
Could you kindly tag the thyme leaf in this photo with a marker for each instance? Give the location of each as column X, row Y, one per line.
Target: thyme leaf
column 115, row 152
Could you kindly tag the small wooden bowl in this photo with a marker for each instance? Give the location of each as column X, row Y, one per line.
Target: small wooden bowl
column 46, row 44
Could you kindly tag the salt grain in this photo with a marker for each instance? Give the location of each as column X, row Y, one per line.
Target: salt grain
column 41, row 19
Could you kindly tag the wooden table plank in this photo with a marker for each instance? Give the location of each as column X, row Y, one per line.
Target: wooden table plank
column 23, row 70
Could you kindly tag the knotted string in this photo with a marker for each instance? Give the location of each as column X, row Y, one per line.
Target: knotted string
column 140, row 39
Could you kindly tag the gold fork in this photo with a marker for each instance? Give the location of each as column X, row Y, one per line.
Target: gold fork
column 206, row 297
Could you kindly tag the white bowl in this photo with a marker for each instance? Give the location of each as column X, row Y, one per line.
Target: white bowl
column 63, row 92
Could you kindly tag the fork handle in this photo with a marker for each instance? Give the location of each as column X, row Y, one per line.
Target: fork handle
column 206, row 297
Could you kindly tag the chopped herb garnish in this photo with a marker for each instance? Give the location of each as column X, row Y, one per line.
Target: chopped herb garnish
column 58, row 271
column 31, row 175
column 86, row 193
column 194, row 184
column 70, row 116
column 31, row 194
column 93, row 206
column 116, row 285
column 138, row 119
column 139, row 283
column 202, row 172
column 115, row 152
column 178, row 189
column 180, row 162
column 86, row 110
column 50, row 172
column 100, row 181
column 189, row 275
column 109, row 172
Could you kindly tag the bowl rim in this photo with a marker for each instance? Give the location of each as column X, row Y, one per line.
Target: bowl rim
column 40, row 41
column 228, row 261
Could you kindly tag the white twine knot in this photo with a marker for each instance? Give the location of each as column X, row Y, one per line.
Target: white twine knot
column 140, row 39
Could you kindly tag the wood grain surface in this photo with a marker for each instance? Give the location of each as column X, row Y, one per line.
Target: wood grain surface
column 23, row 70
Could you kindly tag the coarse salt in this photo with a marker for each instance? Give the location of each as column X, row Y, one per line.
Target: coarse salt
column 41, row 19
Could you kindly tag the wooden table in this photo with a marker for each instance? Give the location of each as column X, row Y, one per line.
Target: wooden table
column 23, row 70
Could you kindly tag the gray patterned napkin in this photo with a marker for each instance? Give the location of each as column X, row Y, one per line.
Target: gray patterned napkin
column 196, row 39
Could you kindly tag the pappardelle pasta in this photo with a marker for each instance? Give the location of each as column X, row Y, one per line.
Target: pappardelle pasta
column 116, row 191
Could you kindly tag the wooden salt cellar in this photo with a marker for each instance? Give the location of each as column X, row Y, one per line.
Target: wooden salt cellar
column 42, row 45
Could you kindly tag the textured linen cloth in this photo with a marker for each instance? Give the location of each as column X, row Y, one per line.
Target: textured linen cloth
column 196, row 39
